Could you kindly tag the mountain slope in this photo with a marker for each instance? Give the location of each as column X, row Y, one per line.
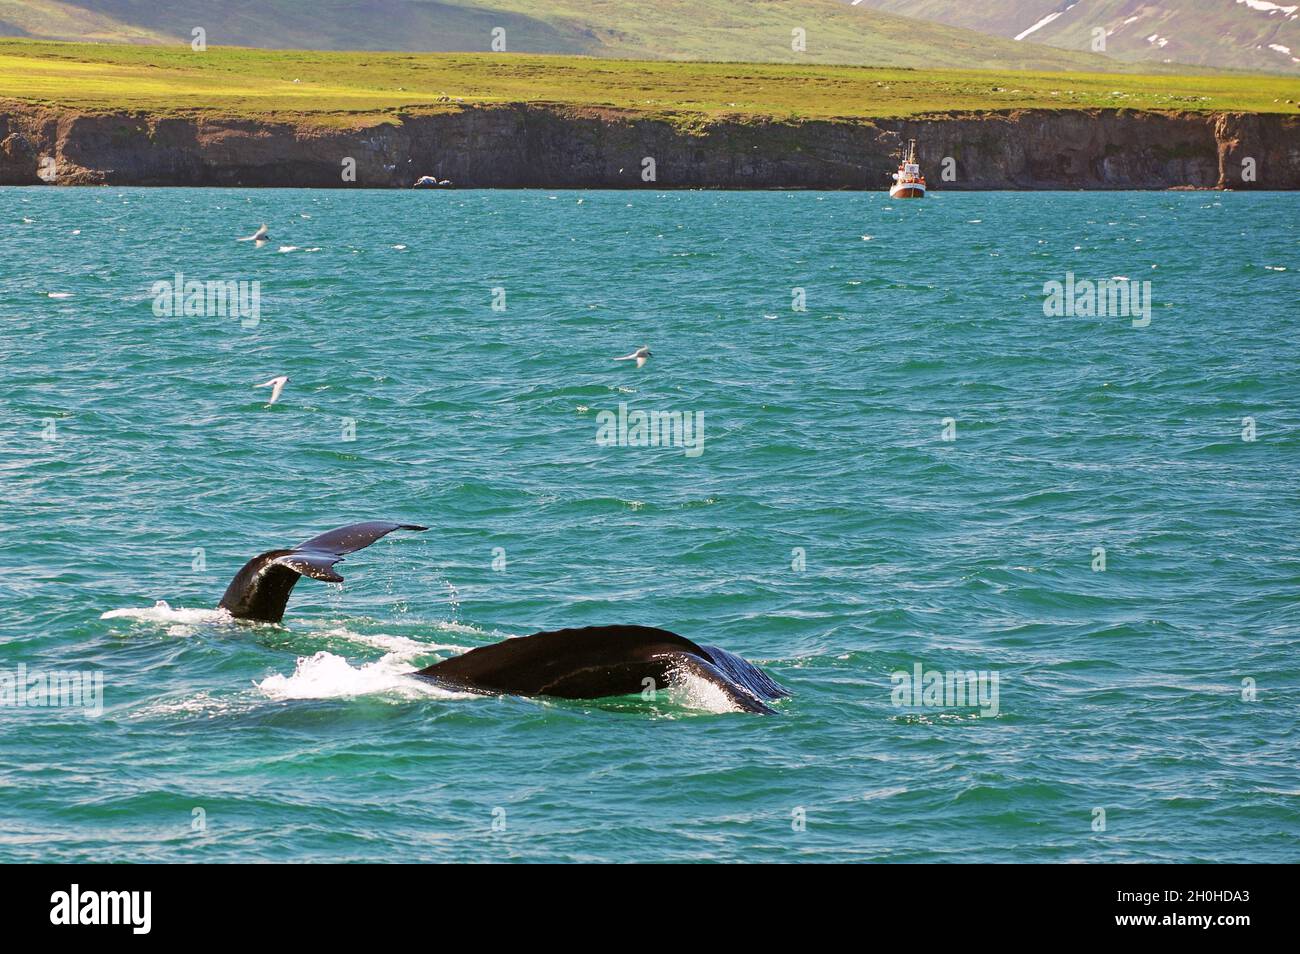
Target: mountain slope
column 753, row 30
column 1231, row 34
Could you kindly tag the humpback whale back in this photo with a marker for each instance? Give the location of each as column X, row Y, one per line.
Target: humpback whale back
column 597, row 661
column 261, row 588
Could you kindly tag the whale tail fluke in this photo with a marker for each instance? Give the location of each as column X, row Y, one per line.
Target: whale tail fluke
column 260, row 590
column 597, row 661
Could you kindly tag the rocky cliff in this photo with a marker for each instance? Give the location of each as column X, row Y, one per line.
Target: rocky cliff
column 555, row 147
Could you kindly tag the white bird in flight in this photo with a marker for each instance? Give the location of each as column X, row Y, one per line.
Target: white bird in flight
column 640, row 356
column 260, row 235
column 276, row 385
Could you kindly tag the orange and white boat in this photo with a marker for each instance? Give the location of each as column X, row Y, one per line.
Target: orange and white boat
column 908, row 181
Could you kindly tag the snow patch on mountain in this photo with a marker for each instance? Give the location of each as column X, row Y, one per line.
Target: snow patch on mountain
column 1046, row 20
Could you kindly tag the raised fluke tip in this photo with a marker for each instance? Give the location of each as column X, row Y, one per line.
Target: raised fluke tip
column 261, row 589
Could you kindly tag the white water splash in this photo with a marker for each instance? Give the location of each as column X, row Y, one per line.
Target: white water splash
column 328, row 676
column 162, row 612
column 694, row 692
column 181, row 622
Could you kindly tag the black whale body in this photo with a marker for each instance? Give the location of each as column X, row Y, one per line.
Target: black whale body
column 590, row 662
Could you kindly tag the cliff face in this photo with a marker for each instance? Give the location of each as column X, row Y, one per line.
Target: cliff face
column 553, row 147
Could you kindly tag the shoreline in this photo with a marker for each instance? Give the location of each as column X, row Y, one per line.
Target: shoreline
column 557, row 147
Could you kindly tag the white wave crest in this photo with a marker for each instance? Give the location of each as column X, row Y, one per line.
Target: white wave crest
column 162, row 612
column 328, row 676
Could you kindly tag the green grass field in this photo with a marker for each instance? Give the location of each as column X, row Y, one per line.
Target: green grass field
column 336, row 88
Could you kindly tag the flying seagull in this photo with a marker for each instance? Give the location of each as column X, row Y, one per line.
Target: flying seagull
column 640, row 356
column 260, row 235
column 276, row 385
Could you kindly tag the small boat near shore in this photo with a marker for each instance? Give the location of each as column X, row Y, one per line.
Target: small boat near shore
column 430, row 182
column 908, row 181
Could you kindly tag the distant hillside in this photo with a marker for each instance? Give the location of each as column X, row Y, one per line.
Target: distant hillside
column 735, row 30
column 1226, row 34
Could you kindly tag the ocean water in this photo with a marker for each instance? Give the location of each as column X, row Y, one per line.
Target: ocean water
column 920, row 468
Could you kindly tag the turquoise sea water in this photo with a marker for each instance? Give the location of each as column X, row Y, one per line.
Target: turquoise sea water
column 132, row 440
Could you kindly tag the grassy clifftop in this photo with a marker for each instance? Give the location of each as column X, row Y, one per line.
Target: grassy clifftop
column 337, row 88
